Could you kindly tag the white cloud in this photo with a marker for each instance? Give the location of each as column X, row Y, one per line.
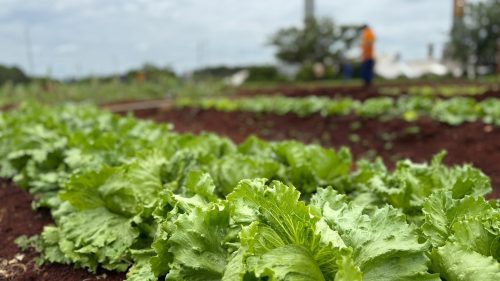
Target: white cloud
column 95, row 34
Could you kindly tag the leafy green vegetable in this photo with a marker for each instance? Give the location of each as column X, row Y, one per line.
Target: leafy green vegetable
column 385, row 246
column 91, row 238
column 409, row 185
column 456, row 263
column 133, row 196
column 197, row 245
column 284, row 239
column 453, row 111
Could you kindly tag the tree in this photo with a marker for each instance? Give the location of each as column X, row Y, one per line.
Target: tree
column 474, row 39
column 317, row 41
column 12, row 74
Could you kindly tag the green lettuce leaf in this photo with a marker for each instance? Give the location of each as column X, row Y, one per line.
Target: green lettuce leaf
column 311, row 166
column 141, row 269
column 283, row 238
column 470, row 221
column 456, row 263
column 385, row 246
column 410, row 184
column 126, row 190
column 229, row 170
column 91, row 238
column 197, row 244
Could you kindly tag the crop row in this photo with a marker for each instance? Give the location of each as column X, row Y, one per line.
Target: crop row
column 432, row 91
column 134, row 196
column 454, row 111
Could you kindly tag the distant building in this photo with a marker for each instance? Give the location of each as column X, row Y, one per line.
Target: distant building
column 391, row 66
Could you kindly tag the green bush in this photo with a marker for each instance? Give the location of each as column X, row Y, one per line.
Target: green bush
column 264, row 73
column 13, row 75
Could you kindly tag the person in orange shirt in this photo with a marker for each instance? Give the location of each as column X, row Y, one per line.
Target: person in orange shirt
column 367, row 55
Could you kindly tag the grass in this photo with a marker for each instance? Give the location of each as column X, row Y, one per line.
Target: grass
column 105, row 92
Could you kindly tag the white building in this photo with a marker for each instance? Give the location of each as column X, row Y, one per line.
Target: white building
column 390, row 67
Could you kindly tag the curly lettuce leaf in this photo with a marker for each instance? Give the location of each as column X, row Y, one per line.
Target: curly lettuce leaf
column 471, row 222
column 229, row 170
column 141, row 269
column 385, row 246
column 91, row 238
column 283, row 238
column 126, row 190
column 310, row 166
column 197, row 244
column 201, row 184
column 410, row 184
column 455, row 262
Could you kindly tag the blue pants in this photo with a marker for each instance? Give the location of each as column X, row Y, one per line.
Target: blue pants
column 367, row 71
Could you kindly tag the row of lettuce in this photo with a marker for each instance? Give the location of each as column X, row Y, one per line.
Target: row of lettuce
column 453, row 111
column 438, row 90
column 133, row 196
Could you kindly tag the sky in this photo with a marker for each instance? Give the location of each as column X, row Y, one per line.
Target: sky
column 72, row 38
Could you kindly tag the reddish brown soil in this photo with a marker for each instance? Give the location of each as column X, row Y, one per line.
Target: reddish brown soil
column 18, row 218
column 359, row 93
column 474, row 143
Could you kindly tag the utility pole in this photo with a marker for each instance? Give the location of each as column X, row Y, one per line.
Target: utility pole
column 308, row 10
column 310, row 21
column 29, row 50
column 458, row 10
column 430, row 51
column 457, row 31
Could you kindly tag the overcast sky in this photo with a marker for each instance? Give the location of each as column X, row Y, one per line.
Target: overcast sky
column 81, row 37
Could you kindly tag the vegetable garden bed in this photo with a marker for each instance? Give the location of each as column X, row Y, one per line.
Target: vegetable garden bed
column 454, row 111
column 475, row 142
column 116, row 185
column 476, row 92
